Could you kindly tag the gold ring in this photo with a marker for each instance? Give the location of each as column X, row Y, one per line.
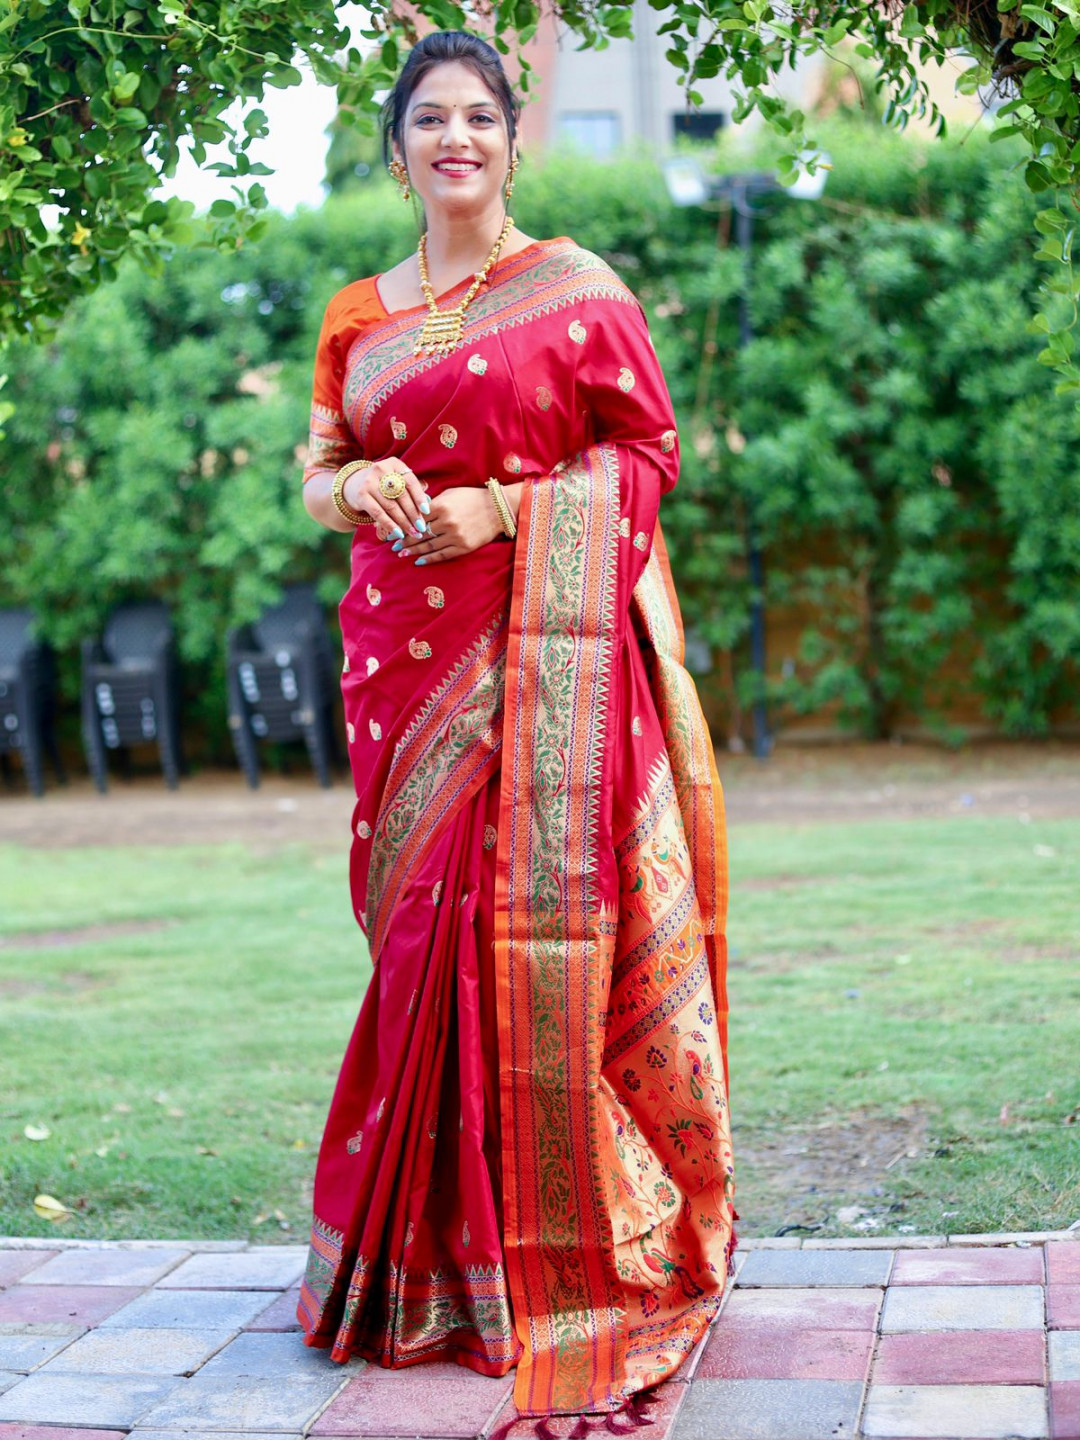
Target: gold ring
column 392, row 484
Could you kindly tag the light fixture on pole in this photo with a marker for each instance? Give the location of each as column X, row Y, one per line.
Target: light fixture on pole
column 687, row 185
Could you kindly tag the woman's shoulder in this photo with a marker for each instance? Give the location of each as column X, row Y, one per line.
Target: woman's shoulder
column 595, row 276
column 355, row 305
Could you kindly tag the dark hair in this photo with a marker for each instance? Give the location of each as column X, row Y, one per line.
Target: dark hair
column 439, row 49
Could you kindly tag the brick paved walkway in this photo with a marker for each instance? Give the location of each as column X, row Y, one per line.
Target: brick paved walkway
column 970, row 1338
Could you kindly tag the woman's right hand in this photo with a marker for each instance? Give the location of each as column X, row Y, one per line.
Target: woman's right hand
column 394, row 519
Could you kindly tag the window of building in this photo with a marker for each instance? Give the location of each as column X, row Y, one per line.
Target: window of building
column 596, row 132
column 697, row 124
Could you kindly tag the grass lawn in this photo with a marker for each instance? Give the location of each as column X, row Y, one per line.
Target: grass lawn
column 905, row 999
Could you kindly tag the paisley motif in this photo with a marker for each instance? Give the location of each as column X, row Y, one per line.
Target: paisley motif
column 490, row 836
column 374, row 596
column 363, row 829
column 435, row 597
column 419, row 649
column 350, row 731
column 448, row 436
column 409, row 1232
column 398, row 429
column 345, row 667
column 667, row 441
column 372, row 664
column 636, row 725
column 382, row 1107
column 376, row 729
column 477, row 364
column 641, row 540
column 353, row 1144
column 626, row 381
column 577, row 332
column 465, row 1236
column 624, row 527
column 543, row 397
column 436, row 892
column 512, row 463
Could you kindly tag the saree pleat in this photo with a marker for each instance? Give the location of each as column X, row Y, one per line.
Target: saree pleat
column 528, row 1154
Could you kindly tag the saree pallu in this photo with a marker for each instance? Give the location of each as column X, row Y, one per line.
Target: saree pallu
column 527, row 1159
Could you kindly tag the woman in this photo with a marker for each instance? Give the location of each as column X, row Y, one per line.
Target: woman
column 527, row 1159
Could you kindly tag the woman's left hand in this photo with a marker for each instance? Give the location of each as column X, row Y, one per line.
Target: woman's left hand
column 461, row 520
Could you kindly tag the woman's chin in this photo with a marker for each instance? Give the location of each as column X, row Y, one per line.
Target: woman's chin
column 460, row 200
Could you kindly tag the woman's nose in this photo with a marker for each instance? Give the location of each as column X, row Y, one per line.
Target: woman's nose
column 455, row 131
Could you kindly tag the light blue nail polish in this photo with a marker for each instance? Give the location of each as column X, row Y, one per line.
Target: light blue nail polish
column 397, row 533
column 422, row 560
column 398, row 544
column 425, row 507
column 421, row 526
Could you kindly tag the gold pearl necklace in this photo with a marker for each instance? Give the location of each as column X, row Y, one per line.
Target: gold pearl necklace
column 442, row 331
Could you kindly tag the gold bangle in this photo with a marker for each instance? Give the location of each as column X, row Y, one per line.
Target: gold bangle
column 354, row 517
column 506, row 516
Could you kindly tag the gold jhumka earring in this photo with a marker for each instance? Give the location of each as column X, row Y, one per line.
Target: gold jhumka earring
column 401, row 175
column 510, row 177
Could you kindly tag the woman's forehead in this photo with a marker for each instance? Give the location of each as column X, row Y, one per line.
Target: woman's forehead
column 451, row 84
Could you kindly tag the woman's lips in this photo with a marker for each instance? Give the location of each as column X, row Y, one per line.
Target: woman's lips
column 456, row 167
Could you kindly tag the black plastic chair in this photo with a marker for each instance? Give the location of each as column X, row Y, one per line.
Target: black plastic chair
column 282, row 683
column 27, row 698
column 131, row 689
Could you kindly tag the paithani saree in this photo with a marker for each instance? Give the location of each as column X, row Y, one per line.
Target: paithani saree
column 527, row 1160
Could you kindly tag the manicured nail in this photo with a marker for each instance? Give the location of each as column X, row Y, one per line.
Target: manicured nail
column 425, row 507
column 421, row 526
column 397, row 533
column 422, row 560
column 398, row 544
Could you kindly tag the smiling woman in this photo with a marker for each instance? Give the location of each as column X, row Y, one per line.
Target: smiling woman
column 528, row 1156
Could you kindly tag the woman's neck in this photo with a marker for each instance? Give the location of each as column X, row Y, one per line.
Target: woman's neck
column 458, row 245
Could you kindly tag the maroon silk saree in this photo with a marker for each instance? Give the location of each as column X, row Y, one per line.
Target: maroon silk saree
column 527, row 1159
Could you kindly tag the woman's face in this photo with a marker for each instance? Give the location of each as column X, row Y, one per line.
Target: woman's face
column 454, row 140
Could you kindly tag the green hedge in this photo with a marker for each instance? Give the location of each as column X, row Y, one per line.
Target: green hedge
column 914, row 479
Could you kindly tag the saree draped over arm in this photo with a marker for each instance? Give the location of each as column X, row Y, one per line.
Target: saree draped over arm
column 528, row 1154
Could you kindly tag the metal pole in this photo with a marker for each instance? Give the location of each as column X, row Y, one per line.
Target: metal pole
column 744, row 237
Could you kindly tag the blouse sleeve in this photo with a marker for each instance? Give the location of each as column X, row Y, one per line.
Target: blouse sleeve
column 331, row 442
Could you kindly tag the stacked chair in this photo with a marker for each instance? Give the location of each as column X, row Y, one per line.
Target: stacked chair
column 131, row 690
column 27, row 698
column 282, row 683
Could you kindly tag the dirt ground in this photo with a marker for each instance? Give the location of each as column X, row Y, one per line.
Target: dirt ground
column 796, row 785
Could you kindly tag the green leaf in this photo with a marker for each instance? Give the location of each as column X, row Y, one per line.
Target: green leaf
column 126, row 86
column 1049, row 221
column 1043, row 18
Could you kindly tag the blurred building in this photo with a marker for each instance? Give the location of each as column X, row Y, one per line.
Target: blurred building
column 627, row 96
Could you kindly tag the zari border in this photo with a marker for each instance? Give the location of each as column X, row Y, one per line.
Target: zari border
column 655, row 609
column 447, row 752
column 420, row 1314
column 553, row 943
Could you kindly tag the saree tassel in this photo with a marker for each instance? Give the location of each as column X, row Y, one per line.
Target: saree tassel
column 581, row 1429
column 639, row 1406
column 504, row 1430
column 544, row 1431
column 617, row 1429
